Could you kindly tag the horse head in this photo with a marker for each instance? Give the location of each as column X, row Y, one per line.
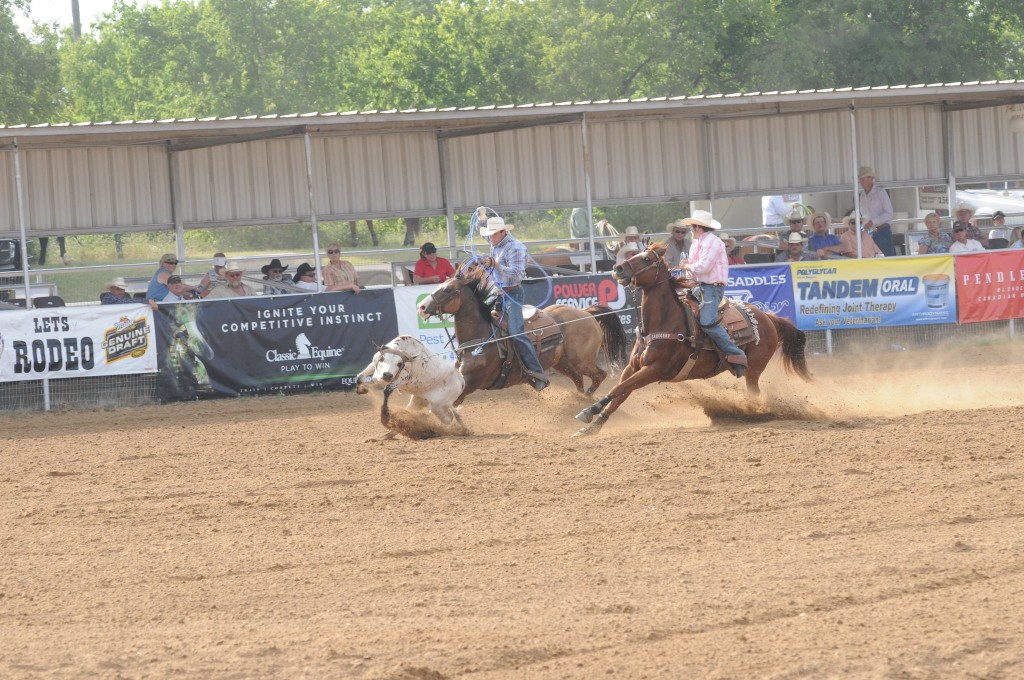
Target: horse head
column 447, row 298
column 646, row 268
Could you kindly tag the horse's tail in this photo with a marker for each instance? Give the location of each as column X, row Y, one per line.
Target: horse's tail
column 616, row 344
column 794, row 344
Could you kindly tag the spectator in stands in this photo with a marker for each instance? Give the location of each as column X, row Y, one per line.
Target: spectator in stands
column 1017, row 237
column 962, row 244
column 824, row 243
column 964, row 218
column 274, row 273
column 339, row 274
column 732, row 249
column 678, row 244
column 116, row 293
column 934, row 241
column 796, row 220
column 579, row 227
column 430, row 268
column 774, row 210
column 175, row 289
column 305, row 278
column 234, row 287
column 157, row 289
column 999, row 228
column 794, row 251
column 876, row 209
column 630, row 245
column 214, row 277
column 849, row 240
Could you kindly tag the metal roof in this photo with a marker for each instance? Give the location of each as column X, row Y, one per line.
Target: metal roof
column 277, row 169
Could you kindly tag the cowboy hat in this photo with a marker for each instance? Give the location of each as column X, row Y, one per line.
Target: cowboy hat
column 796, row 214
column 303, row 269
column 728, row 240
column 233, row 267
column 632, row 231
column 274, row 264
column 866, row 171
column 702, row 218
column 795, row 237
column 116, row 282
column 494, row 225
column 963, row 207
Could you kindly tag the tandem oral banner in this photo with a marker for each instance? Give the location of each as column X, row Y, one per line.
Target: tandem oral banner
column 842, row 294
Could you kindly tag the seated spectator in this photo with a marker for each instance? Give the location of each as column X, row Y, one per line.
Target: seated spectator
column 796, row 220
column 214, row 277
column 999, row 228
column 934, row 241
column 234, row 287
column 1017, row 237
column 274, row 273
column 177, row 291
column 430, row 268
column 678, row 243
column 305, row 278
column 962, row 244
column 824, row 243
column 116, row 293
column 630, row 245
column 339, row 274
column 794, row 251
column 964, row 218
column 732, row 249
column 849, row 240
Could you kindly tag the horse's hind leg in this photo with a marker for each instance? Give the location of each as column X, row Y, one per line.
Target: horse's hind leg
column 567, row 369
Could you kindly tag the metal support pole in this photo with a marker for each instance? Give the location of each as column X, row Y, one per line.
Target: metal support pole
column 828, row 341
column 311, row 198
column 449, row 214
column 856, row 179
column 179, row 227
column 19, row 192
column 948, row 157
column 586, row 185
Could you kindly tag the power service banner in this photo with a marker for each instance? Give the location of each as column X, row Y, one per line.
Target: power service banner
column 990, row 285
column 258, row 345
column 842, row 294
column 77, row 342
column 585, row 290
column 767, row 287
column 433, row 332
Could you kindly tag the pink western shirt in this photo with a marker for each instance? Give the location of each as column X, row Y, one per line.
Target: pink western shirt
column 708, row 259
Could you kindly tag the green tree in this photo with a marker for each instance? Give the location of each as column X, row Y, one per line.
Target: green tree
column 29, row 72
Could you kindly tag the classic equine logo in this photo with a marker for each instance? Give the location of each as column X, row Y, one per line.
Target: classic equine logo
column 128, row 338
column 304, row 349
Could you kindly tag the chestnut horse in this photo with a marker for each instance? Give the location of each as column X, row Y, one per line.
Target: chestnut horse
column 586, row 335
column 663, row 346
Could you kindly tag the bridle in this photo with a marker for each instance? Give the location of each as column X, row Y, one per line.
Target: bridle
column 658, row 263
column 440, row 300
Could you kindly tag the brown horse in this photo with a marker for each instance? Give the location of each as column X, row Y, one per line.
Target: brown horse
column 586, row 335
column 664, row 346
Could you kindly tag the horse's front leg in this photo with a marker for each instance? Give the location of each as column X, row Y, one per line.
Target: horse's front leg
column 604, row 408
column 587, row 414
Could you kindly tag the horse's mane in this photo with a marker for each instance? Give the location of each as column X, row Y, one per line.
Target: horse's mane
column 475, row 278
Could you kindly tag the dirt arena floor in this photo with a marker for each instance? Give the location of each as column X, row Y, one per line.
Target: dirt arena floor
column 867, row 526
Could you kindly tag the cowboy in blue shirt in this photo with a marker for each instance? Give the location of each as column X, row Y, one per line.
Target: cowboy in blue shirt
column 508, row 268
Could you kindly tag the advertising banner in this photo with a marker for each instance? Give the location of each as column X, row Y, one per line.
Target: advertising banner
column 585, row 290
column 842, row 294
column 433, row 332
column 77, row 342
column 990, row 285
column 258, row 345
column 767, row 287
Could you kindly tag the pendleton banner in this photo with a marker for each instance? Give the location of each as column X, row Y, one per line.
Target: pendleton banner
column 258, row 345
column 76, row 342
column 990, row 285
column 842, row 294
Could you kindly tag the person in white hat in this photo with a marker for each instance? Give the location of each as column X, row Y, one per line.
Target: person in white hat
column 234, row 287
column 964, row 219
column 795, row 252
column 876, row 210
column 709, row 264
column 507, row 263
column 116, row 293
column 214, row 277
column 630, row 245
